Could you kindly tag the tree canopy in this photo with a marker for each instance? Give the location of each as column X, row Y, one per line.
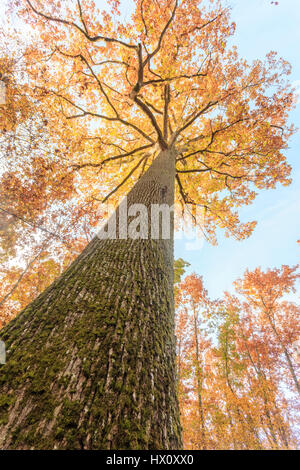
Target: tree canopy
column 92, row 100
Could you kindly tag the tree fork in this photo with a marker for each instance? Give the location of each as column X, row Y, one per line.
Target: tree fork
column 91, row 361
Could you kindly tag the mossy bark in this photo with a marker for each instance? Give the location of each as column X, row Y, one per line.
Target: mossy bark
column 91, row 362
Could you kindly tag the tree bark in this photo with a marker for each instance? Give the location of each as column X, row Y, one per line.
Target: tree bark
column 91, row 362
column 199, row 375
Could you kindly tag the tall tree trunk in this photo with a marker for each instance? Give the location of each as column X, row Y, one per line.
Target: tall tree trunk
column 91, row 362
column 199, row 375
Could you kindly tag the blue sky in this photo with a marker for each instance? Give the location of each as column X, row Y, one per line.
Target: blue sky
column 261, row 27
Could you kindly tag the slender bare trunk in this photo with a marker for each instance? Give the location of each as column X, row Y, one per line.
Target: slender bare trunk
column 199, row 383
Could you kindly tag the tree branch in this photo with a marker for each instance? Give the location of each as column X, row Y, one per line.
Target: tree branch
column 163, row 144
column 83, row 31
column 166, row 106
column 192, row 119
column 53, row 234
column 199, row 28
column 125, row 179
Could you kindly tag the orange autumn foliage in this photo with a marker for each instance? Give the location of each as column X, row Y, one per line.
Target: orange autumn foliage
column 98, row 98
column 237, row 376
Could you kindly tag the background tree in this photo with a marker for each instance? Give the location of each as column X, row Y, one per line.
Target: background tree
column 192, row 348
column 248, row 398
